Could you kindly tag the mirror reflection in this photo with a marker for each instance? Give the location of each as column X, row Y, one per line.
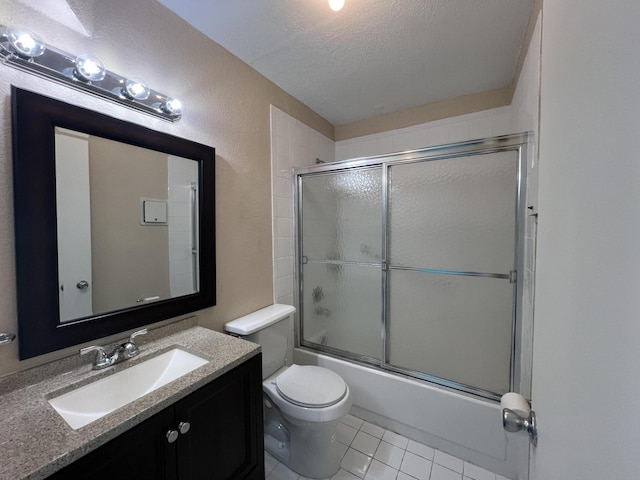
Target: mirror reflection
column 127, row 225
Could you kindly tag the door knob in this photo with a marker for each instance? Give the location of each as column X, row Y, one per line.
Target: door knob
column 82, row 285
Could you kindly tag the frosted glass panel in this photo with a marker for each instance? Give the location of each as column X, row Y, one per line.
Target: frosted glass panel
column 452, row 327
column 455, row 214
column 342, row 307
column 342, row 215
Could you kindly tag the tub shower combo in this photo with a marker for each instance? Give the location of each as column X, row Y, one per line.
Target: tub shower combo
column 406, row 267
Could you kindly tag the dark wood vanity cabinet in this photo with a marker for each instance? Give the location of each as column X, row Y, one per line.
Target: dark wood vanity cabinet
column 224, row 440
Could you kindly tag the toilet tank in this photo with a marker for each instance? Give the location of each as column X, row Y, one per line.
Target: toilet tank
column 268, row 327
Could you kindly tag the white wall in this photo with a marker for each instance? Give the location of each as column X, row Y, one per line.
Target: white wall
column 497, row 121
column 586, row 381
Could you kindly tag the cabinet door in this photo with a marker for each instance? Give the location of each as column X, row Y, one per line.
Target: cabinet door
column 142, row 453
column 225, row 440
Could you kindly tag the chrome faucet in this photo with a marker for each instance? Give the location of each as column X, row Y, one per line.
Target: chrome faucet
column 122, row 351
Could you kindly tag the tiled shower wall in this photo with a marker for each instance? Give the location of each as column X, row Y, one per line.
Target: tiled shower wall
column 293, row 144
column 182, row 173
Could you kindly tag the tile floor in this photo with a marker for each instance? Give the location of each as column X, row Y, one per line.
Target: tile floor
column 373, row 453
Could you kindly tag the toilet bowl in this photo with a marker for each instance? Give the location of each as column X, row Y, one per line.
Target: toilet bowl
column 302, row 404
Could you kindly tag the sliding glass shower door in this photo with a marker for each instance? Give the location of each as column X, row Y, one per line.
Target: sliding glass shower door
column 452, row 231
column 341, row 268
column 408, row 262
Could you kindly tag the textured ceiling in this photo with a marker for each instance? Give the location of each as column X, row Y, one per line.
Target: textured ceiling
column 374, row 56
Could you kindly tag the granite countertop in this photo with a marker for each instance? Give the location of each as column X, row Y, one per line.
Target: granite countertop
column 37, row 442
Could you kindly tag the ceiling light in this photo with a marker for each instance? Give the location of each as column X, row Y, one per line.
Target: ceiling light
column 90, row 68
column 136, row 89
column 25, row 42
column 336, row 5
column 173, row 106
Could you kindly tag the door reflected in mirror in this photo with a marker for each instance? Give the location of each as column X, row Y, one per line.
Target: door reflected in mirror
column 127, row 226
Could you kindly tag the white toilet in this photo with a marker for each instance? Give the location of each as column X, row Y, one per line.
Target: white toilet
column 302, row 404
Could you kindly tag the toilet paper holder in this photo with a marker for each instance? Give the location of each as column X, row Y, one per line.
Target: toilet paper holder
column 513, row 422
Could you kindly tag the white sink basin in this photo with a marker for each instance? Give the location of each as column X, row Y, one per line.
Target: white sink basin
column 90, row 402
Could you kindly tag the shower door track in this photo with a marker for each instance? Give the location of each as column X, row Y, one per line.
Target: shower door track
column 517, row 143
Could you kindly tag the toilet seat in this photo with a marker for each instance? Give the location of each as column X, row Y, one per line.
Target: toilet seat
column 311, row 386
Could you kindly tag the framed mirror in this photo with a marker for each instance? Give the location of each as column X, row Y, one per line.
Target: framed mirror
column 114, row 224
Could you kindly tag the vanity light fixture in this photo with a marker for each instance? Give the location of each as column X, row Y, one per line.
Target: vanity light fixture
column 20, row 48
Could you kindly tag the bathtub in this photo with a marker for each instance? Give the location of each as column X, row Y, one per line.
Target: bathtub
column 461, row 425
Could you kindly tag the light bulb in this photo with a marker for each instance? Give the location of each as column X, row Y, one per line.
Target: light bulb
column 173, row 106
column 136, row 89
column 336, row 5
column 89, row 67
column 25, row 42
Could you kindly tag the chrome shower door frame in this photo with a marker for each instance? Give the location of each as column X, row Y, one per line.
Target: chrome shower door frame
column 516, row 143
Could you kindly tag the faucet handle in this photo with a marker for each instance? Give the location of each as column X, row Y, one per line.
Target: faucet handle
column 144, row 331
column 102, row 359
column 129, row 347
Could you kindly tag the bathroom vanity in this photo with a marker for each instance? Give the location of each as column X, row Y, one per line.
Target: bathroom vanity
column 205, row 424
column 220, row 439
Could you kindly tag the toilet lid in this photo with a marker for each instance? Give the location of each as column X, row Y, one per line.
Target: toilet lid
column 311, row 386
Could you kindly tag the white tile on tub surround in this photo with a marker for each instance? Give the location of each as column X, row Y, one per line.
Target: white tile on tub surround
column 438, row 135
column 282, row 188
column 284, row 207
column 284, row 227
column 410, row 139
column 284, row 247
column 502, row 123
column 284, row 266
column 459, row 132
column 480, row 128
column 284, row 286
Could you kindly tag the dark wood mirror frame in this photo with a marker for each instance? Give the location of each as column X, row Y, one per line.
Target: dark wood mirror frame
column 34, row 178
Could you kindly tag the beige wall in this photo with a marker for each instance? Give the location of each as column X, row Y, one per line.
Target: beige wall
column 454, row 107
column 119, row 176
column 227, row 106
